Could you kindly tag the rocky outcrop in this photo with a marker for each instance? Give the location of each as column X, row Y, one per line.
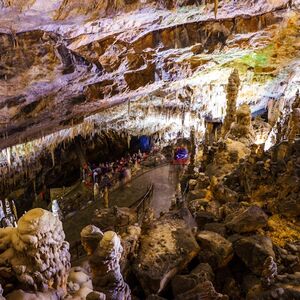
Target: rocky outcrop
column 35, row 253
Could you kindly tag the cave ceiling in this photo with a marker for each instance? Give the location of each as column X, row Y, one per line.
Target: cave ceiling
column 77, row 67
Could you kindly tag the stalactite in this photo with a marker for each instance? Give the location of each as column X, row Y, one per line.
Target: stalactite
column 128, row 140
column 128, row 108
column 52, row 156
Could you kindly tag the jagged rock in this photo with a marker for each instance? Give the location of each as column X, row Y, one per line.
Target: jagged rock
column 220, row 248
column 205, row 270
column 203, row 217
column 286, row 287
column 140, row 77
column 36, row 251
column 130, row 241
column 202, row 181
column 198, row 194
column 250, row 220
column 222, row 193
column 253, row 251
column 165, row 249
column 183, row 283
column 204, row 290
column 216, row 227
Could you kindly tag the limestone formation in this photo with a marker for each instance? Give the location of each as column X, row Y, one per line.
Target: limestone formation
column 231, row 96
column 294, row 123
column 247, row 220
column 216, row 247
column 79, row 283
column 269, row 271
column 90, row 238
column 105, row 265
column 35, row 252
column 261, row 248
column 1, row 291
column 83, row 83
column 166, row 247
column 241, row 129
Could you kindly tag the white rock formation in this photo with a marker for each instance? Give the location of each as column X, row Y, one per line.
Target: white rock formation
column 36, row 252
column 105, row 266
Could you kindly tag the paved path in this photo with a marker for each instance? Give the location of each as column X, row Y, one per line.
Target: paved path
column 164, row 179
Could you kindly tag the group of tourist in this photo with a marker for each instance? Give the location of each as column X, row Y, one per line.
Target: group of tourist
column 105, row 175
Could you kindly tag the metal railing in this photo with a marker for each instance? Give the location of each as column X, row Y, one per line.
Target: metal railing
column 139, row 206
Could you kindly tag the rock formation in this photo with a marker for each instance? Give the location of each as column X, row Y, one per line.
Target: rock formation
column 269, row 271
column 35, row 254
column 105, row 263
column 167, row 247
column 231, row 96
column 241, row 129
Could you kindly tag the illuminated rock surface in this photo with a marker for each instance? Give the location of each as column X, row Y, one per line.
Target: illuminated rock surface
column 82, row 81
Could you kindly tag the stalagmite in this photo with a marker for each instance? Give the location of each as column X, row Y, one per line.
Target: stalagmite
column 105, row 264
column 232, row 92
column 36, row 252
column 269, row 271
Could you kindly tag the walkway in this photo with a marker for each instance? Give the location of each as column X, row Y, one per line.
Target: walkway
column 164, row 179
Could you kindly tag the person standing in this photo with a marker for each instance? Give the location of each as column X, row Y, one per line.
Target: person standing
column 106, row 197
column 96, row 191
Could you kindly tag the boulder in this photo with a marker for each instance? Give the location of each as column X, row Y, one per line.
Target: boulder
column 253, row 251
column 220, row 249
column 204, row 290
column 166, row 248
column 203, row 217
column 216, row 227
column 250, row 220
column 199, row 194
column 206, row 269
column 183, row 283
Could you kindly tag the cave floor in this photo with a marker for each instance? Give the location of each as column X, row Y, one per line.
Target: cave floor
column 164, row 179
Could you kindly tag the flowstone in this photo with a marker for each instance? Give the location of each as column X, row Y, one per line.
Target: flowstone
column 35, row 253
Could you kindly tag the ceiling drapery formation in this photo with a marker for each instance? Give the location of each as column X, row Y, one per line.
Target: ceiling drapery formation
column 74, row 67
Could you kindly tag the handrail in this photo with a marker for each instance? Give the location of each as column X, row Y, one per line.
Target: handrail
column 138, row 202
column 139, row 206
